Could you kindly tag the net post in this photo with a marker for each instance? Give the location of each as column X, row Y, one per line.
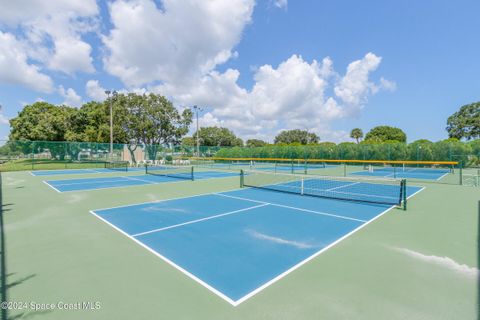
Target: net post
column 292, row 167
column 191, row 172
column 302, row 187
column 146, row 168
column 404, row 193
column 242, row 175
column 460, row 173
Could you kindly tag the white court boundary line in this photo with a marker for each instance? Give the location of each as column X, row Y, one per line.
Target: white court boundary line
column 48, row 184
column 441, row 177
column 265, row 285
column 200, row 220
column 255, row 291
column 170, row 262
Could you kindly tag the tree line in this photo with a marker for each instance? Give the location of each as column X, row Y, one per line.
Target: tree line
column 151, row 119
column 421, row 150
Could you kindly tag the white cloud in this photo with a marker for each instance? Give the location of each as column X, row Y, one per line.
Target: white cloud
column 71, row 55
column 388, row 85
column 295, row 94
column 51, row 30
column 174, row 50
column 70, row 96
column 181, row 42
column 21, row 11
column 15, row 69
column 354, row 87
column 292, row 95
column 282, row 4
column 3, row 119
column 95, row 91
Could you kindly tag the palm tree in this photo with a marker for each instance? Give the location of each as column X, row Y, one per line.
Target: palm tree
column 356, row 134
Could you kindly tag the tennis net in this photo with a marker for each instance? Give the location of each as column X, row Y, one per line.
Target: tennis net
column 372, row 190
column 117, row 165
column 415, row 169
column 179, row 172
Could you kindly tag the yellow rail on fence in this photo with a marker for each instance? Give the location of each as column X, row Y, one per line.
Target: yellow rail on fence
column 332, row 161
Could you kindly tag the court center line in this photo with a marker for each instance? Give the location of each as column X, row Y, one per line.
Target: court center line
column 346, row 185
column 199, row 220
column 294, row 208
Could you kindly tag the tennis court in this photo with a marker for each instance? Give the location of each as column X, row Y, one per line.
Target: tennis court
column 81, row 171
column 252, row 237
column 290, row 245
column 169, row 176
column 406, row 173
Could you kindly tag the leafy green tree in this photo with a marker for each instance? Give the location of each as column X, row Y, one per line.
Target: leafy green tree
column 384, row 133
column 452, row 150
column 465, row 123
column 188, row 141
column 254, row 143
column 421, row 150
column 92, row 124
column 348, row 150
column 43, row 121
column 217, row 136
column 151, row 120
column 475, row 145
column 356, row 134
column 296, row 136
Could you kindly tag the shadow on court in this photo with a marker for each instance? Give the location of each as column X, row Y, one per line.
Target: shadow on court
column 5, row 285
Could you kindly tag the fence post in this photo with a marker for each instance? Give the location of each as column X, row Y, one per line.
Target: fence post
column 33, row 155
column 461, row 174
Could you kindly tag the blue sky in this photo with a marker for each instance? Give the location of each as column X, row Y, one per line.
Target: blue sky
column 256, row 67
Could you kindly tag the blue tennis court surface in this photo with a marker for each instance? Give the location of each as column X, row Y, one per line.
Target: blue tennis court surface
column 85, row 184
column 408, row 173
column 80, row 171
column 237, row 243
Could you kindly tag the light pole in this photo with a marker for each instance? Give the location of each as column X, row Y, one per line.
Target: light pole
column 197, row 110
column 114, row 94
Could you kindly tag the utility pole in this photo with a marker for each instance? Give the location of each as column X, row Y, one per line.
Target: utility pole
column 114, row 94
column 197, row 110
